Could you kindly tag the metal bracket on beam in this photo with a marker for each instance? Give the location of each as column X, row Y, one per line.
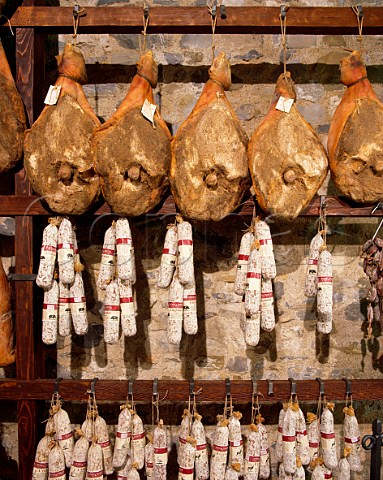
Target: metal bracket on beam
column 22, row 277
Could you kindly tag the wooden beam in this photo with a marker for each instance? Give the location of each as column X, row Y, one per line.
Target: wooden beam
column 178, row 390
column 24, row 205
column 248, row 20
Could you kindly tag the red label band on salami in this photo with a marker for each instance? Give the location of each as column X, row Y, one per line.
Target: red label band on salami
column 104, row 444
column 123, row 434
column 243, row 257
column 107, row 251
column 327, row 435
column 79, row 464
column 288, row 438
column 122, row 477
column 57, row 474
column 186, row 471
column 126, row 300
column 267, row 295
column 175, row 305
column 202, row 446
column 190, row 297
column 352, row 440
column 123, row 241
column 185, row 242
column 159, row 451
column 265, row 241
column 64, row 300
column 149, row 465
column 40, row 465
column 167, row 251
column 328, row 475
column 66, row 246
column 94, row 474
column 218, row 448
column 50, row 306
column 325, row 279
column 253, row 275
column 49, row 248
column 313, row 444
column 65, row 436
column 77, row 300
column 182, row 440
column 304, row 432
column 138, row 436
column 253, row 459
column 111, row 308
column 280, row 429
column 312, row 261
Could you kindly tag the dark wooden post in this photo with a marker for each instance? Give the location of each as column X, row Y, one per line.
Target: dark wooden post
column 29, row 80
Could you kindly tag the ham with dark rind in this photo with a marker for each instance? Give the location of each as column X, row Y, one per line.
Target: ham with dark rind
column 57, row 157
column 288, row 162
column 355, row 140
column 132, row 156
column 209, row 170
column 12, row 117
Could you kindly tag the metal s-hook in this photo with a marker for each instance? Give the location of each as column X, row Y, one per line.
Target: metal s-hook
column 255, row 387
column 348, row 386
column 76, row 11
column 146, row 11
column 321, row 386
column 93, row 386
column 360, row 11
column 191, row 387
column 293, row 389
column 228, row 388
column 223, row 11
column 130, row 387
column 155, row 388
column 214, row 10
column 56, row 386
column 270, row 387
column 284, row 10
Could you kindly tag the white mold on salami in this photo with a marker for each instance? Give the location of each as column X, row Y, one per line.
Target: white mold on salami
column 175, row 311
column 252, row 329
column 169, row 258
column 111, row 315
column 253, row 285
column 78, row 305
column 190, row 320
column 65, row 316
column 219, row 451
column 311, row 280
column 56, row 463
column 47, row 257
column 40, row 465
column 50, row 314
column 138, row 441
column 123, row 437
column 263, row 236
column 185, row 254
column 127, row 307
column 64, row 434
column 328, row 442
column 201, row 456
column 95, row 469
column 108, row 258
column 325, row 290
column 125, row 251
column 65, row 252
column 243, row 263
column 252, row 456
column 235, row 441
column 267, row 305
column 79, row 459
column 102, row 435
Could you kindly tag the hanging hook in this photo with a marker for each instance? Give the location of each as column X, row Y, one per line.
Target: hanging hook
column 348, row 386
column 130, row 387
column 293, row 383
column 321, row 386
column 360, row 11
column 270, row 387
column 255, row 387
column 228, row 387
column 155, row 388
column 191, row 387
column 223, row 11
column 146, row 11
column 56, row 385
column 93, row 386
column 214, row 10
column 284, row 10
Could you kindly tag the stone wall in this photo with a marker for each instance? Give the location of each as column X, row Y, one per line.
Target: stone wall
column 218, row 350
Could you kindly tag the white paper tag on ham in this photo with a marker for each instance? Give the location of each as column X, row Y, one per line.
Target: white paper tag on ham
column 52, row 95
column 148, row 110
column 284, row 104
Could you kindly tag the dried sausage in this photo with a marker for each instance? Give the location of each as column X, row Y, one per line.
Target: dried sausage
column 125, row 251
column 111, row 314
column 138, row 441
column 128, row 312
column 102, row 435
column 352, row 439
column 160, row 446
column 169, row 257
column 175, row 311
column 50, row 314
column 279, row 443
column 311, row 281
column 263, row 236
column 123, row 437
column 185, row 254
column 243, row 263
column 40, row 465
column 65, row 317
column 94, row 470
column 253, row 286
column 149, row 457
column 79, row 459
column 65, row 252
column 252, row 329
column 235, row 440
column 186, row 459
column 47, row 256
column 313, row 435
column 190, row 320
column 201, row 457
column 220, row 448
column 56, row 463
column 289, row 439
column 324, row 294
column 328, row 442
column 264, row 463
column 267, row 305
column 252, row 456
column 108, row 258
column 64, row 434
column 303, row 449
column 78, row 305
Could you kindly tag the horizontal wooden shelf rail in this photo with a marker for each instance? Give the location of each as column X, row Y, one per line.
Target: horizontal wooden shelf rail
column 24, row 205
column 249, row 20
column 178, row 390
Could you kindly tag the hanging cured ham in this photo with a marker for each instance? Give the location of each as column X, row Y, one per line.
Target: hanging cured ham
column 355, row 140
column 58, row 157
column 132, row 154
column 288, row 162
column 209, row 171
column 12, row 118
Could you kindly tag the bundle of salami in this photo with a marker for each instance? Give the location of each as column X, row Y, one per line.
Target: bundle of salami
column 55, row 450
column 177, row 270
column 60, row 276
column 255, row 271
column 117, row 276
column 318, row 281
